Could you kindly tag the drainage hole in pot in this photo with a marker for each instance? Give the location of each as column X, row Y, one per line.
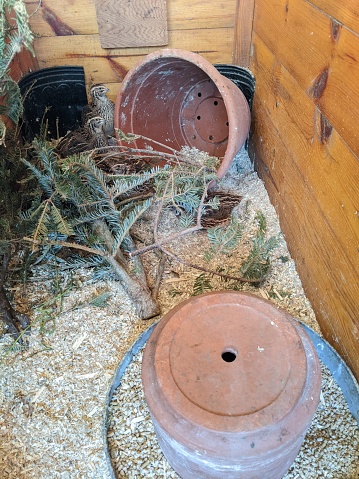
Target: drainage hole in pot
column 210, row 137
column 215, row 103
column 227, row 124
column 229, row 355
column 199, row 93
column 198, row 117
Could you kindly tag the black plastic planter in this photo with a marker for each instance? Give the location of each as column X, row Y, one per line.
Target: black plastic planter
column 53, row 98
column 241, row 77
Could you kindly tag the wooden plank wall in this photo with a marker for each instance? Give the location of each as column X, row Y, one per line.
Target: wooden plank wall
column 305, row 144
column 68, row 35
column 24, row 62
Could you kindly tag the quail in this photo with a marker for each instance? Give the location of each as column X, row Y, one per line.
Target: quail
column 101, row 106
column 89, row 137
column 219, row 217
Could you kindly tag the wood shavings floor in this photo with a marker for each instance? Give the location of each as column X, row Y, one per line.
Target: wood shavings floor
column 53, row 395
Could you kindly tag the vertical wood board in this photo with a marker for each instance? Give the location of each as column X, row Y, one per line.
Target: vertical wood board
column 334, row 298
column 322, row 57
column 243, row 32
column 306, row 147
column 330, row 168
column 137, row 23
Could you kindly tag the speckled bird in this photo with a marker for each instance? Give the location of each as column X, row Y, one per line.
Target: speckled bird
column 89, row 137
column 101, row 106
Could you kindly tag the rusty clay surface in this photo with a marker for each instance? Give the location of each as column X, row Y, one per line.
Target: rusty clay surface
column 232, row 383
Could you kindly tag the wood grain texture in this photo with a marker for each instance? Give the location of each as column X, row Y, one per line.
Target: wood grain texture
column 139, row 23
column 80, row 15
column 111, row 66
column 322, row 56
column 312, row 177
column 346, row 12
column 243, row 32
column 194, row 14
column 298, row 34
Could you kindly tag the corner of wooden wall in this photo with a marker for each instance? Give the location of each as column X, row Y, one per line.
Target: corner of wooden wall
column 305, row 146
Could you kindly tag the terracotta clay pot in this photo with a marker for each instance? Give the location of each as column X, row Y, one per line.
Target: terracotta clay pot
column 232, row 383
column 178, row 98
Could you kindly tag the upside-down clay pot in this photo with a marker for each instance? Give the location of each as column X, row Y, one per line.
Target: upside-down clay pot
column 177, row 98
column 232, row 383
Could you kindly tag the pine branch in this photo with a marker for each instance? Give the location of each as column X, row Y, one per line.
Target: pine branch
column 159, row 274
column 15, row 321
column 41, row 229
column 102, row 231
column 128, row 222
column 68, row 244
column 61, row 225
column 95, row 177
column 124, row 184
column 224, row 240
column 12, row 38
column 176, row 159
column 198, row 226
column 257, row 264
column 209, row 271
column 85, row 196
column 262, row 223
column 139, row 271
column 158, row 243
column 131, row 199
column 201, row 284
column 130, row 137
column 139, row 294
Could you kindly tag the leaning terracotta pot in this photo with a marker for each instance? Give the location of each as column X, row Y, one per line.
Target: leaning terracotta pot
column 232, row 383
column 177, row 98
